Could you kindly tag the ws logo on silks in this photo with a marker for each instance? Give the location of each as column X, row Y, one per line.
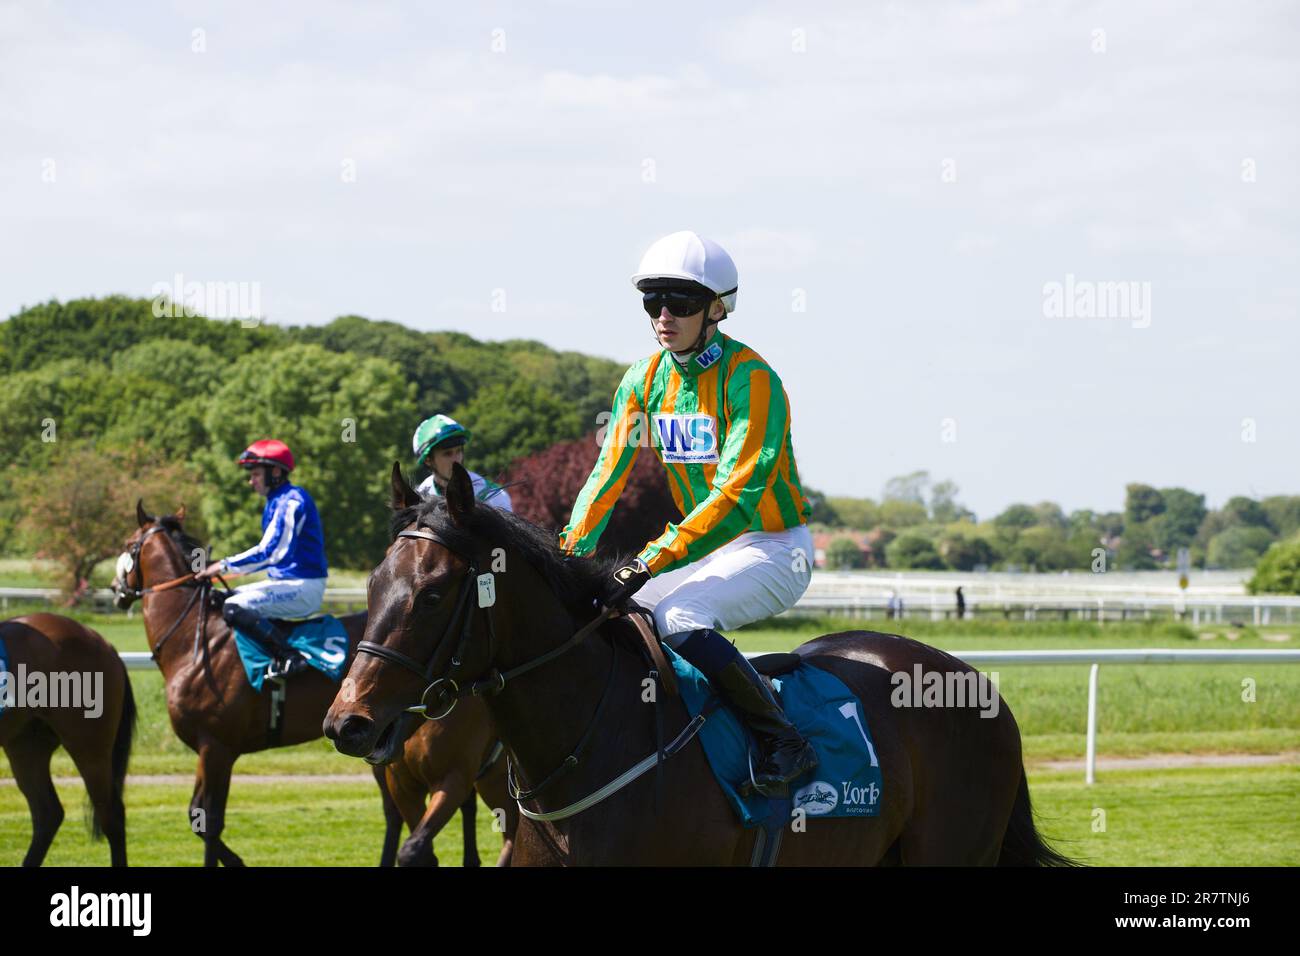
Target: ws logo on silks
column 687, row 439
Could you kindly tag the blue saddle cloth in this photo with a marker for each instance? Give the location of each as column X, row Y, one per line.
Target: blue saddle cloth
column 847, row 782
column 4, row 669
column 323, row 640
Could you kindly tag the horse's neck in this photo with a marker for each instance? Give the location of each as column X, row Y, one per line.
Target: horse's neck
column 161, row 611
column 542, row 715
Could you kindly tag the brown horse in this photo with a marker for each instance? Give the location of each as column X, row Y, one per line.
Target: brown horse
column 954, row 784
column 454, row 761
column 212, row 706
column 99, row 743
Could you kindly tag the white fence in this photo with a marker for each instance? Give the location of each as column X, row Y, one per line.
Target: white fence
column 1028, row 596
column 139, row 660
column 1099, row 597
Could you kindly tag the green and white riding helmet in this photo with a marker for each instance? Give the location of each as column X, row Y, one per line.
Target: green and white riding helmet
column 440, row 431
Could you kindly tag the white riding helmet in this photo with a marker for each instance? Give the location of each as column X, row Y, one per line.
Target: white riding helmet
column 686, row 255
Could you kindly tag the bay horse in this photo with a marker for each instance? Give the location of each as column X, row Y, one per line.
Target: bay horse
column 215, row 711
column 99, row 745
column 453, row 761
column 954, row 788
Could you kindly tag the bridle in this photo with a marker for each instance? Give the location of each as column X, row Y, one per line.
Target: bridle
column 133, row 554
column 462, row 616
column 120, row 590
column 447, row 687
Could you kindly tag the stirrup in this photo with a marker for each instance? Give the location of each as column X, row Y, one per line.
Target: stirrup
column 286, row 665
column 751, row 786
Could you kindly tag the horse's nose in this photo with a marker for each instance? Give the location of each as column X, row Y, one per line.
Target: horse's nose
column 353, row 736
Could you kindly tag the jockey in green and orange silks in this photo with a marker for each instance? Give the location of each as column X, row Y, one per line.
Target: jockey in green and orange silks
column 718, row 416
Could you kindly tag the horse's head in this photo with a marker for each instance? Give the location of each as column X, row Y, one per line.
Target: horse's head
column 130, row 577
column 425, row 633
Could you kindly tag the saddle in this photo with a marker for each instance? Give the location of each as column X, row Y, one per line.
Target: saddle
column 286, row 625
column 767, row 665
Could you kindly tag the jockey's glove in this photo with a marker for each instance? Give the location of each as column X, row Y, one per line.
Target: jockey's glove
column 623, row 583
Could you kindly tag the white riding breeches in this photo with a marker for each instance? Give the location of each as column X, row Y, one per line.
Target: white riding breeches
column 757, row 575
column 281, row 597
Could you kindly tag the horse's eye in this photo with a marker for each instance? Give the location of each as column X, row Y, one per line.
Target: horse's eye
column 430, row 598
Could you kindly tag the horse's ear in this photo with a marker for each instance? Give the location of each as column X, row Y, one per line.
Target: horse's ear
column 180, row 512
column 460, row 494
column 141, row 517
column 404, row 496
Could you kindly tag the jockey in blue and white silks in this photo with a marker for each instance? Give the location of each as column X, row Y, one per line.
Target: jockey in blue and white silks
column 292, row 552
column 292, row 545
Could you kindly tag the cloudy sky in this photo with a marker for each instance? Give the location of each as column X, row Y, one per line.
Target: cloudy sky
column 926, row 202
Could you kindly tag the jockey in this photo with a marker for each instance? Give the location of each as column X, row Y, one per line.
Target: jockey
column 292, row 551
column 721, row 424
column 440, row 442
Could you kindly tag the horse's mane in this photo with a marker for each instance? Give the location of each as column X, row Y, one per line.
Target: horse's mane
column 574, row 581
column 187, row 543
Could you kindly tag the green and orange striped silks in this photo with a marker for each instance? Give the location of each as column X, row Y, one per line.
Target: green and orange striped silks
column 721, row 426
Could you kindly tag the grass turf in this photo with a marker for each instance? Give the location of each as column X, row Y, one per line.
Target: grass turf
column 1178, row 817
column 1164, row 709
column 1184, row 708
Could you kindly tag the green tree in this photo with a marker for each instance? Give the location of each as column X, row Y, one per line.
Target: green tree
column 944, row 507
column 1283, row 513
column 1240, row 546
column 1016, row 517
column 193, row 368
column 77, row 520
column 1278, row 571
column 1141, row 503
column 964, row 552
column 1135, row 548
column 843, row 554
column 1044, row 548
column 913, row 551
column 440, row 385
column 54, row 332
column 62, row 401
column 1049, row 514
column 512, row 419
column 896, row 513
column 859, row 513
column 1246, row 512
column 1182, row 517
column 164, row 388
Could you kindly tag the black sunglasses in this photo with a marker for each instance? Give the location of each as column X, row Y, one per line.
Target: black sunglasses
column 680, row 304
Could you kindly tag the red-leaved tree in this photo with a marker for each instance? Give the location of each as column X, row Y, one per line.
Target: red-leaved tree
column 553, row 478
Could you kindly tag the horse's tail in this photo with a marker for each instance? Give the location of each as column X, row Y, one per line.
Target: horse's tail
column 121, row 754
column 1022, row 845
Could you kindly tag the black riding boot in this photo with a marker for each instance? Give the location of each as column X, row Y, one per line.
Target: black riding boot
column 287, row 659
column 785, row 754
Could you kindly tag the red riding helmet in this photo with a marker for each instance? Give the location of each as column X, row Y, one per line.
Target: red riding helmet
column 268, row 451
